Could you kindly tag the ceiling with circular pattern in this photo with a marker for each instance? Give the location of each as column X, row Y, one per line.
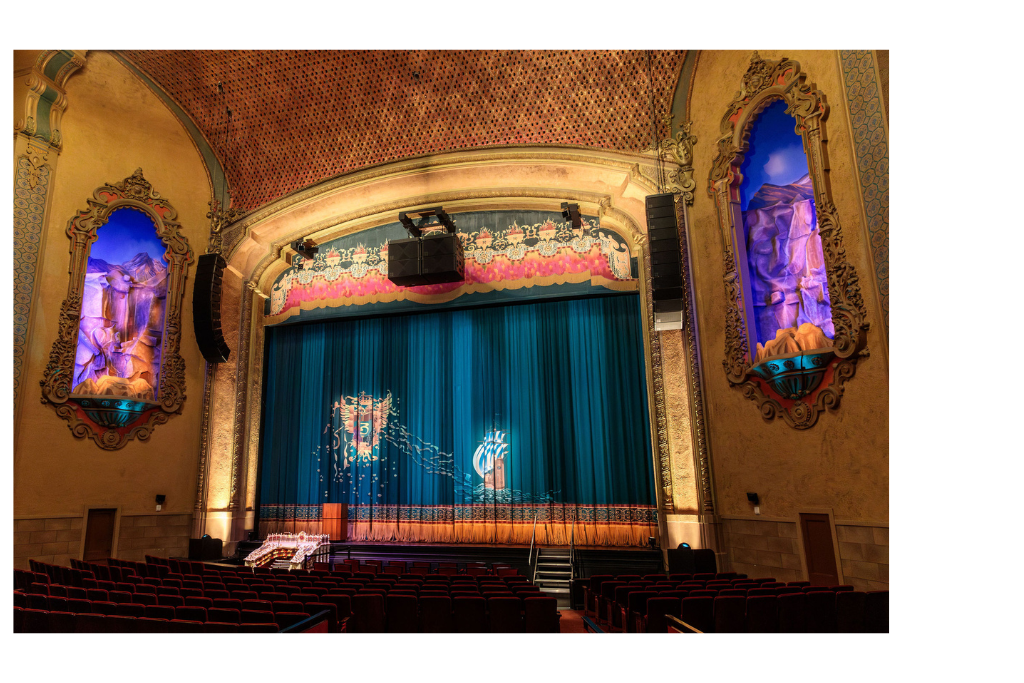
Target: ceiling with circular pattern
column 300, row 117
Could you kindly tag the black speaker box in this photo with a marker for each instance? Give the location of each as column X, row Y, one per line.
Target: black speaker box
column 206, row 308
column 404, row 262
column 663, row 240
column 443, row 260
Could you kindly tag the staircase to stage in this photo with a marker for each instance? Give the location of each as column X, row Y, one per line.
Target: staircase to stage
column 554, row 573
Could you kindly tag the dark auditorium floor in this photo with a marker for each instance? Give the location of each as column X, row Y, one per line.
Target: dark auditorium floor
column 571, row 621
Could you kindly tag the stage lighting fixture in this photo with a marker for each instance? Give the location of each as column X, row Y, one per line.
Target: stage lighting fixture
column 651, row 542
column 571, row 212
column 306, row 248
column 684, row 545
column 416, row 230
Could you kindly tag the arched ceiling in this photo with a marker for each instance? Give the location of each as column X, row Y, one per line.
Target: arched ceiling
column 299, row 117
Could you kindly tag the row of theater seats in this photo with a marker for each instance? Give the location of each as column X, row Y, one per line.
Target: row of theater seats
column 375, row 603
column 733, row 603
column 400, row 568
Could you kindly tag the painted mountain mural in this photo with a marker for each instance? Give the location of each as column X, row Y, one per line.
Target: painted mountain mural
column 121, row 328
column 787, row 267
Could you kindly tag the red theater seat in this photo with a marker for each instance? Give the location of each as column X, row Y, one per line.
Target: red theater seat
column 436, row 613
column 730, row 614
column 540, row 615
column 820, row 611
column 850, row 611
column 220, row 627
column 657, row 609
column 130, row 609
column 91, row 623
column 187, row 613
column 762, row 614
column 332, row 613
column 401, row 614
column 286, row 619
column 791, row 608
column 367, row 613
column 181, row 626
column 266, row 627
column 220, row 614
column 699, row 612
column 343, row 604
column 876, row 612
column 469, row 614
column 505, row 614
column 62, row 622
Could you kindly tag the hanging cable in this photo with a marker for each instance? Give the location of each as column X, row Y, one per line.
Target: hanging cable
column 654, row 125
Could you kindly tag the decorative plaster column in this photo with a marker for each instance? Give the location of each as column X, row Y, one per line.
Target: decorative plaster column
column 39, row 85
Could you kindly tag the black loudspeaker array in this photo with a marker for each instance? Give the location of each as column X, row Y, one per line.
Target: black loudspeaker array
column 425, row 261
column 666, row 271
column 206, row 308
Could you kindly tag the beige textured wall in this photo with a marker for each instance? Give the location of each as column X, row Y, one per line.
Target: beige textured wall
column 112, row 126
column 842, row 462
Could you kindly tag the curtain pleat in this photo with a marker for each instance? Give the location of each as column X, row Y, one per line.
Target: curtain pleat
column 386, row 414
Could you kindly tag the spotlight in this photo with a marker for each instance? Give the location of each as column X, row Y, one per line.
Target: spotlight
column 571, row 212
column 684, row 545
column 306, row 248
column 651, row 542
column 416, row 229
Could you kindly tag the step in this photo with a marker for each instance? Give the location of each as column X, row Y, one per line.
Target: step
column 566, row 565
column 553, row 583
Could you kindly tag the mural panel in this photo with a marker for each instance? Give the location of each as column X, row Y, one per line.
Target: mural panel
column 121, row 326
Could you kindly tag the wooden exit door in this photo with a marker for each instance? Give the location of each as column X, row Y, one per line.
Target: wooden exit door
column 818, row 548
column 99, row 534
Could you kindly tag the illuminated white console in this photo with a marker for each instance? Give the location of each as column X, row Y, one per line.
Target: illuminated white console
column 300, row 549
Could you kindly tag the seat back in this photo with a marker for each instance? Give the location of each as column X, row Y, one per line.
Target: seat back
column 436, row 613
column 505, row 615
column 876, row 612
column 657, row 608
column 762, row 614
column 401, row 614
column 850, row 611
column 540, row 615
column 821, row 611
column 367, row 613
column 792, row 609
column 730, row 614
column 699, row 612
column 469, row 614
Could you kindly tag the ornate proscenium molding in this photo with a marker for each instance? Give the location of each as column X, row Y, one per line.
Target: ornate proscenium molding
column 218, row 219
column 112, row 426
column 680, row 151
column 45, row 99
column 764, row 83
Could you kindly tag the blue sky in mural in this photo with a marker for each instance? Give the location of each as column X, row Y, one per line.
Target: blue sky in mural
column 776, row 154
column 126, row 234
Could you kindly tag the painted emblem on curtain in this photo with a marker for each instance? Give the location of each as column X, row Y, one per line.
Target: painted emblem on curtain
column 489, row 460
column 363, row 420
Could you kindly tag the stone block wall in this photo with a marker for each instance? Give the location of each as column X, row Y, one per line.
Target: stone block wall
column 54, row 541
column 770, row 547
column 760, row 548
column 864, row 551
column 157, row 535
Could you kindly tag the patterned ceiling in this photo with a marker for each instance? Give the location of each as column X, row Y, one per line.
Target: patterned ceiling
column 300, row 117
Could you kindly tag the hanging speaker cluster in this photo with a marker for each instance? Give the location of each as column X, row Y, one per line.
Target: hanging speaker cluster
column 666, row 270
column 206, row 308
column 426, row 259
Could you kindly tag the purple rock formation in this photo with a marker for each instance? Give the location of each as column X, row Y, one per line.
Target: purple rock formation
column 787, row 267
column 121, row 327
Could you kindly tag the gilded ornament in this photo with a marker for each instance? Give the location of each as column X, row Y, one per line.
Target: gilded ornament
column 766, row 82
column 134, row 191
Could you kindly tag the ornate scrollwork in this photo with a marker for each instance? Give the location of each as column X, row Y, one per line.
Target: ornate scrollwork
column 680, row 151
column 764, row 83
column 135, row 192
column 219, row 218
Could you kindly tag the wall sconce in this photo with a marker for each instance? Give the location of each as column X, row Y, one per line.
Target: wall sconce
column 752, row 497
column 160, row 498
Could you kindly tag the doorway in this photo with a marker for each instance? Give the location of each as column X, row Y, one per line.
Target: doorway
column 819, row 549
column 99, row 534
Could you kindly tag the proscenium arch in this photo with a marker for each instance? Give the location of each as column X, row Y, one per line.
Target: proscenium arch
column 766, row 82
column 610, row 185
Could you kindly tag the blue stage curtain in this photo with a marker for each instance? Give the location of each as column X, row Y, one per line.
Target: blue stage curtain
column 386, row 415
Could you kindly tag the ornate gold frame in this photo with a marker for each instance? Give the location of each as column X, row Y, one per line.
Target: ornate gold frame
column 137, row 193
column 763, row 83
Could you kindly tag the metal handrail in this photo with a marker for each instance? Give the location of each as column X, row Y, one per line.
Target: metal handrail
column 533, row 571
column 572, row 549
